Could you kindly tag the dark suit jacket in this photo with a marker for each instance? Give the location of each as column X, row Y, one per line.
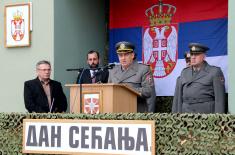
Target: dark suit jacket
column 101, row 77
column 36, row 100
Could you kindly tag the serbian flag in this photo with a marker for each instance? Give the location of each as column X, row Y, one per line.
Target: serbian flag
column 162, row 30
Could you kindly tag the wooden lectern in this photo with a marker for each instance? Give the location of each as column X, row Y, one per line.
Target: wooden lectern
column 111, row 98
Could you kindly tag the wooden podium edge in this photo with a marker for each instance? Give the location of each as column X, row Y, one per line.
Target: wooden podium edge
column 106, row 84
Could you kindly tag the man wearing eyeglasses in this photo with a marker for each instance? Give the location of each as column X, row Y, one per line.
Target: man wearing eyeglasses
column 200, row 87
column 42, row 95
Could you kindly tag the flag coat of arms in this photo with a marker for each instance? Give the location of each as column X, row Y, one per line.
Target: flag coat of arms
column 17, row 26
column 161, row 31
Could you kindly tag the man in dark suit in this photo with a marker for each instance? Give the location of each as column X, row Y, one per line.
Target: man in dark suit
column 42, row 95
column 137, row 76
column 93, row 74
column 200, row 87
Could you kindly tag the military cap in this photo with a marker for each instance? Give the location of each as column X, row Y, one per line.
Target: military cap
column 187, row 55
column 124, row 47
column 198, row 48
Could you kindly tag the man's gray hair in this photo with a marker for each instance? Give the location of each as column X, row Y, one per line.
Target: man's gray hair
column 43, row 62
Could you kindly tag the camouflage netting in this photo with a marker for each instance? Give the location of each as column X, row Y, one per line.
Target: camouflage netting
column 175, row 133
column 164, row 104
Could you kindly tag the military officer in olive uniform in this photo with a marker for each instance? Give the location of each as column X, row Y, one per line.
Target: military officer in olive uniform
column 200, row 87
column 137, row 76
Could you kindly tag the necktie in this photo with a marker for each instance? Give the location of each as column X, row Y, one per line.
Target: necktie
column 93, row 77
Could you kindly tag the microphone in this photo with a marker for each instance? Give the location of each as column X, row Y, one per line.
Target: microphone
column 109, row 66
column 75, row 69
column 101, row 69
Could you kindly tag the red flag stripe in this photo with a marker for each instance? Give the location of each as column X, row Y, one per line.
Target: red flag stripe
column 131, row 13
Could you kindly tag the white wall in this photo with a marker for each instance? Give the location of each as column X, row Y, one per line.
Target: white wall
column 231, row 56
column 77, row 31
column 18, row 64
column 63, row 32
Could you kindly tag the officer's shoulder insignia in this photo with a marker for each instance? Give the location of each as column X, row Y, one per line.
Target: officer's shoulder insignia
column 149, row 78
column 221, row 79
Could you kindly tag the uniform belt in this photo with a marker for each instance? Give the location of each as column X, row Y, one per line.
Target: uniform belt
column 197, row 100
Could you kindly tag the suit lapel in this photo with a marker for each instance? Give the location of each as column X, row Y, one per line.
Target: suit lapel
column 116, row 74
column 129, row 73
column 40, row 85
column 203, row 72
column 51, row 89
column 42, row 90
column 88, row 76
column 189, row 75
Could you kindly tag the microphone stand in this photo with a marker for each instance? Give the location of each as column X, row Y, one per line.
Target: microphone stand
column 79, row 78
column 80, row 85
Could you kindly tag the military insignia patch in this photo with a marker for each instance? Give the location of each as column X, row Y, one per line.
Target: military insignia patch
column 149, row 78
column 122, row 46
column 193, row 48
column 222, row 79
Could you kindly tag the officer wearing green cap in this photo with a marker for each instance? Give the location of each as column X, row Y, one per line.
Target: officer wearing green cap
column 200, row 87
column 137, row 76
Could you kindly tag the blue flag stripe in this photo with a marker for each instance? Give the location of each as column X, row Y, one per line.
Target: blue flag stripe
column 133, row 35
column 212, row 33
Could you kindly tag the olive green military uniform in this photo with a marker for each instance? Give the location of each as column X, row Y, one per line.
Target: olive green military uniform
column 139, row 77
column 200, row 91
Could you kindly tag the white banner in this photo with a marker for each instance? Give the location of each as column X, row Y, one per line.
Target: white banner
column 63, row 136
